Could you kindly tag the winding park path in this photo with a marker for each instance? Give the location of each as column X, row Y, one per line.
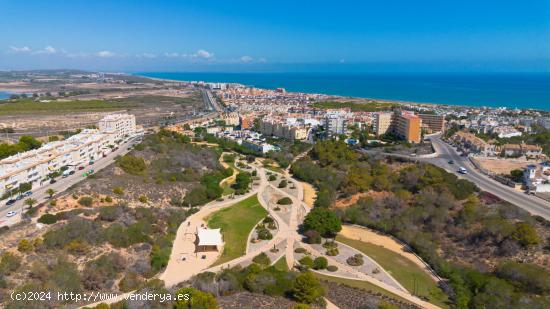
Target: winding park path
column 184, row 262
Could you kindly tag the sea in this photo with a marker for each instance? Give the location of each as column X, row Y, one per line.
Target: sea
column 511, row 90
column 4, row 95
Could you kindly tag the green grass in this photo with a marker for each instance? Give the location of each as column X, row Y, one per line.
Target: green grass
column 227, row 190
column 29, row 106
column 360, row 284
column 236, row 223
column 402, row 269
column 281, row 264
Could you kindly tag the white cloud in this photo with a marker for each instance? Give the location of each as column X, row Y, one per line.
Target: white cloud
column 47, row 50
column 23, row 49
column 105, row 54
column 246, row 59
column 201, row 53
column 262, row 60
column 171, row 55
column 146, row 55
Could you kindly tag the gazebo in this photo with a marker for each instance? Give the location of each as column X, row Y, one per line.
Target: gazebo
column 208, row 239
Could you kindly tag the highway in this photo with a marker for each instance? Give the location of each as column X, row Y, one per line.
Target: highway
column 530, row 203
column 62, row 184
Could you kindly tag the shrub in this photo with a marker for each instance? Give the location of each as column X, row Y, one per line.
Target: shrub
column 284, row 201
column 272, row 178
column 268, row 220
column 332, row 268
column 118, row 190
column 330, row 244
column 159, row 258
column 143, row 199
column 78, row 247
column 47, row 219
column 130, row 282
column 307, row 288
column 264, row 234
column 194, row 298
column 300, row 250
column 306, row 261
column 525, row 234
column 355, row 260
column 86, row 201
column 302, row 306
column 24, row 245
column 53, row 202
column 9, row 263
column 283, row 184
column 228, row 158
column 529, row 277
column 132, row 164
column 320, row 263
column 262, row 259
column 108, row 199
column 332, row 252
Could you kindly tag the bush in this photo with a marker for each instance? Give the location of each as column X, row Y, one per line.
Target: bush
column 262, row 259
column 529, row 277
column 332, row 252
column 24, row 245
column 108, row 199
column 9, row 263
column 118, row 190
column 355, row 260
column 86, row 201
column 194, row 298
column 525, row 234
column 284, row 201
column 320, row 263
column 272, row 178
column 228, row 158
column 306, row 261
column 132, row 164
column 302, row 306
column 143, row 199
column 47, row 219
column 264, row 234
column 300, row 250
column 307, row 289
column 130, row 282
column 332, row 268
column 283, row 184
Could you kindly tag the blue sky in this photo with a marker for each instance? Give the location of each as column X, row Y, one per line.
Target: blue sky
column 393, row 35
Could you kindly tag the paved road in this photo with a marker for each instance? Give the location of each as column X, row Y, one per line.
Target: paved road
column 532, row 204
column 61, row 185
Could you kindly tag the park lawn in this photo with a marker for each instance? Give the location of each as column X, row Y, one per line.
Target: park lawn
column 236, row 223
column 403, row 270
column 360, row 284
column 281, row 264
column 227, row 190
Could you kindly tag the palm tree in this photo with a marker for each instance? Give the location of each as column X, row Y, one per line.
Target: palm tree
column 50, row 192
column 30, row 202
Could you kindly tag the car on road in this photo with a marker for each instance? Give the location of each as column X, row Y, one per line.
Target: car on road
column 28, row 193
column 71, row 172
column 451, row 162
column 462, row 170
column 92, row 162
column 52, row 181
column 19, row 197
column 11, row 214
column 10, row 202
column 80, row 168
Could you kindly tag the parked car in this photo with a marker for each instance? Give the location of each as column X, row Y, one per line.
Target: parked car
column 92, row 162
column 19, row 197
column 10, row 202
column 71, row 172
column 462, row 170
column 11, row 214
column 80, row 168
column 451, row 162
column 52, row 181
column 28, row 193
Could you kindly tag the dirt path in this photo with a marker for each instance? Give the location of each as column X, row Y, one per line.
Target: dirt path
column 309, row 193
column 371, row 236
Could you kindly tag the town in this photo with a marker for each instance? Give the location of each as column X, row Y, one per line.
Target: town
column 258, row 183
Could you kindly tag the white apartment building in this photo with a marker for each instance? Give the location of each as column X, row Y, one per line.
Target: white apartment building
column 34, row 166
column 118, row 124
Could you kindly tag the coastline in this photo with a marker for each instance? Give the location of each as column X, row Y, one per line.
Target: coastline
column 339, row 96
column 213, row 77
